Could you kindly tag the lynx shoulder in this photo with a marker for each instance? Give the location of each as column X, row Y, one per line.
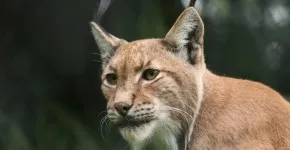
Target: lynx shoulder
column 160, row 93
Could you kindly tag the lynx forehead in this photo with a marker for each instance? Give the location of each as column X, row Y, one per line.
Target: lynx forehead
column 160, row 93
column 141, row 53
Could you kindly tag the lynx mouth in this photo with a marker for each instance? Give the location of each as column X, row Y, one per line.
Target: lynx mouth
column 133, row 123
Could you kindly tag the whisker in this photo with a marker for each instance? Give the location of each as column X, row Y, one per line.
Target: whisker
column 169, row 107
column 96, row 61
column 102, row 123
column 101, row 112
column 96, row 54
column 193, row 109
column 107, row 126
column 183, row 113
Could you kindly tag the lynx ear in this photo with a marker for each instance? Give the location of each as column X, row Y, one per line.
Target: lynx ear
column 106, row 42
column 186, row 36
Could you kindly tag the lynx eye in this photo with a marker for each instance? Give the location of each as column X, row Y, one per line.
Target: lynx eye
column 150, row 74
column 111, row 78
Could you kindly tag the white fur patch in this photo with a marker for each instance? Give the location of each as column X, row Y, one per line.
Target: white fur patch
column 200, row 91
column 165, row 135
column 161, row 134
column 138, row 134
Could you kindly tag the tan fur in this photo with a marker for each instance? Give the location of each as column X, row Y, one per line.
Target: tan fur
column 241, row 114
column 210, row 112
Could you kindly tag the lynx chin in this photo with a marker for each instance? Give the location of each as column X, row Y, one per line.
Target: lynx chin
column 161, row 95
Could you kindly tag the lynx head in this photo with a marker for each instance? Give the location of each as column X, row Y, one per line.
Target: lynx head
column 153, row 85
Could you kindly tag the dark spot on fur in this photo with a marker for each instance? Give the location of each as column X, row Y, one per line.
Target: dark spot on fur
column 146, row 103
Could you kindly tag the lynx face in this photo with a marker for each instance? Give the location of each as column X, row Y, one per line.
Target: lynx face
column 153, row 85
column 144, row 84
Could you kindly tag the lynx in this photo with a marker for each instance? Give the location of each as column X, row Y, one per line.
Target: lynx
column 160, row 95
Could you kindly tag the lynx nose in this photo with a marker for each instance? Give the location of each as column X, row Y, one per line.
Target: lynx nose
column 122, row 108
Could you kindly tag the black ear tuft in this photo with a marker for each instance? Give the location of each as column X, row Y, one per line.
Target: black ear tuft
column 103, row 6
column 192, row 3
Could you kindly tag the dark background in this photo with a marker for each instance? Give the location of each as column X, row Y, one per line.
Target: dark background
column 50, row 97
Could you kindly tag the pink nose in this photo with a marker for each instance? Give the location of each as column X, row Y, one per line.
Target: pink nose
column 122, row 108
